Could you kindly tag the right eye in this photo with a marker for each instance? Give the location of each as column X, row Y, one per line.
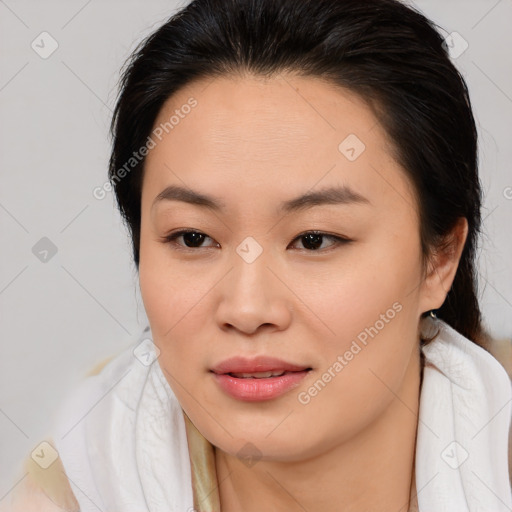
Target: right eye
column 191, row 239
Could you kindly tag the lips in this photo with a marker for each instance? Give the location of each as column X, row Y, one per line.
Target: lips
column 256, row 365
column 258, row 379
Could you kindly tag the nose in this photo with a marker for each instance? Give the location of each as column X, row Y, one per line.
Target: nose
column 253, row 299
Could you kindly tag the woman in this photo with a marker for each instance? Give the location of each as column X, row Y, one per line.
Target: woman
column 300, row 183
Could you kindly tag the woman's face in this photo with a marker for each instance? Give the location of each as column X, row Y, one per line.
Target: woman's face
column 337, row 311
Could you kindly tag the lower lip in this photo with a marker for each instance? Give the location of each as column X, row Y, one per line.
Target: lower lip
column 257, row 390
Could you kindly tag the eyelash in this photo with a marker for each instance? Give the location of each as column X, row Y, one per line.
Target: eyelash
column 338, row 240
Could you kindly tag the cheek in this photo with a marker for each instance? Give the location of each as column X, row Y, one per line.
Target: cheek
column 175, row 313
column 366, row 312
column 174, row 306
column 348, row 297
column 173, row 302
column 168, row 287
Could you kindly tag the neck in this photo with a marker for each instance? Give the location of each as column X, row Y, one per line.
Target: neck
column 359, row 475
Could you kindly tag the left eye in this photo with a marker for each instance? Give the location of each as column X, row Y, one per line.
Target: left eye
column 314, row 240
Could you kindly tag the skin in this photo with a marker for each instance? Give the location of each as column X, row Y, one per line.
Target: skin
column 253, row 143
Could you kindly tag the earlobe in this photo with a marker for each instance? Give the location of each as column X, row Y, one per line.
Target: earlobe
column 442, row 266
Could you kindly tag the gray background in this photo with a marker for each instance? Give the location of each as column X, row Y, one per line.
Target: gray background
column 61, row 316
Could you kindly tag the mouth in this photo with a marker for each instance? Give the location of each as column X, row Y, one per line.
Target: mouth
column 258, row 379
column 259, row 375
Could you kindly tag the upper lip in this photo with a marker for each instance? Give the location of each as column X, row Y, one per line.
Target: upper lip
column 256, row 364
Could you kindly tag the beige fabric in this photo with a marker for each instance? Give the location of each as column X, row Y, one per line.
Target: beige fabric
column 53, row 482
column 204, row 474
column 413, row 498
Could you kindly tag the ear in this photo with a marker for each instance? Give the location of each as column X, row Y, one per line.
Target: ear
column 442, row 266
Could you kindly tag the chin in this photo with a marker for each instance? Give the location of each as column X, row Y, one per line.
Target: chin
column 261, row 443
column 257, row 447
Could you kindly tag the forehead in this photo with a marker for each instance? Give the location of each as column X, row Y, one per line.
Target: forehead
column 270, row 112
column 282, row 134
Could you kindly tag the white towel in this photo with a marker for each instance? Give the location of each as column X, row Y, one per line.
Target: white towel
column 464, row 418
column 121, row 434
column 121, row 438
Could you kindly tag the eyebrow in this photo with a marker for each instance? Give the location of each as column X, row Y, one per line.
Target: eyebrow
column 337, row 195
